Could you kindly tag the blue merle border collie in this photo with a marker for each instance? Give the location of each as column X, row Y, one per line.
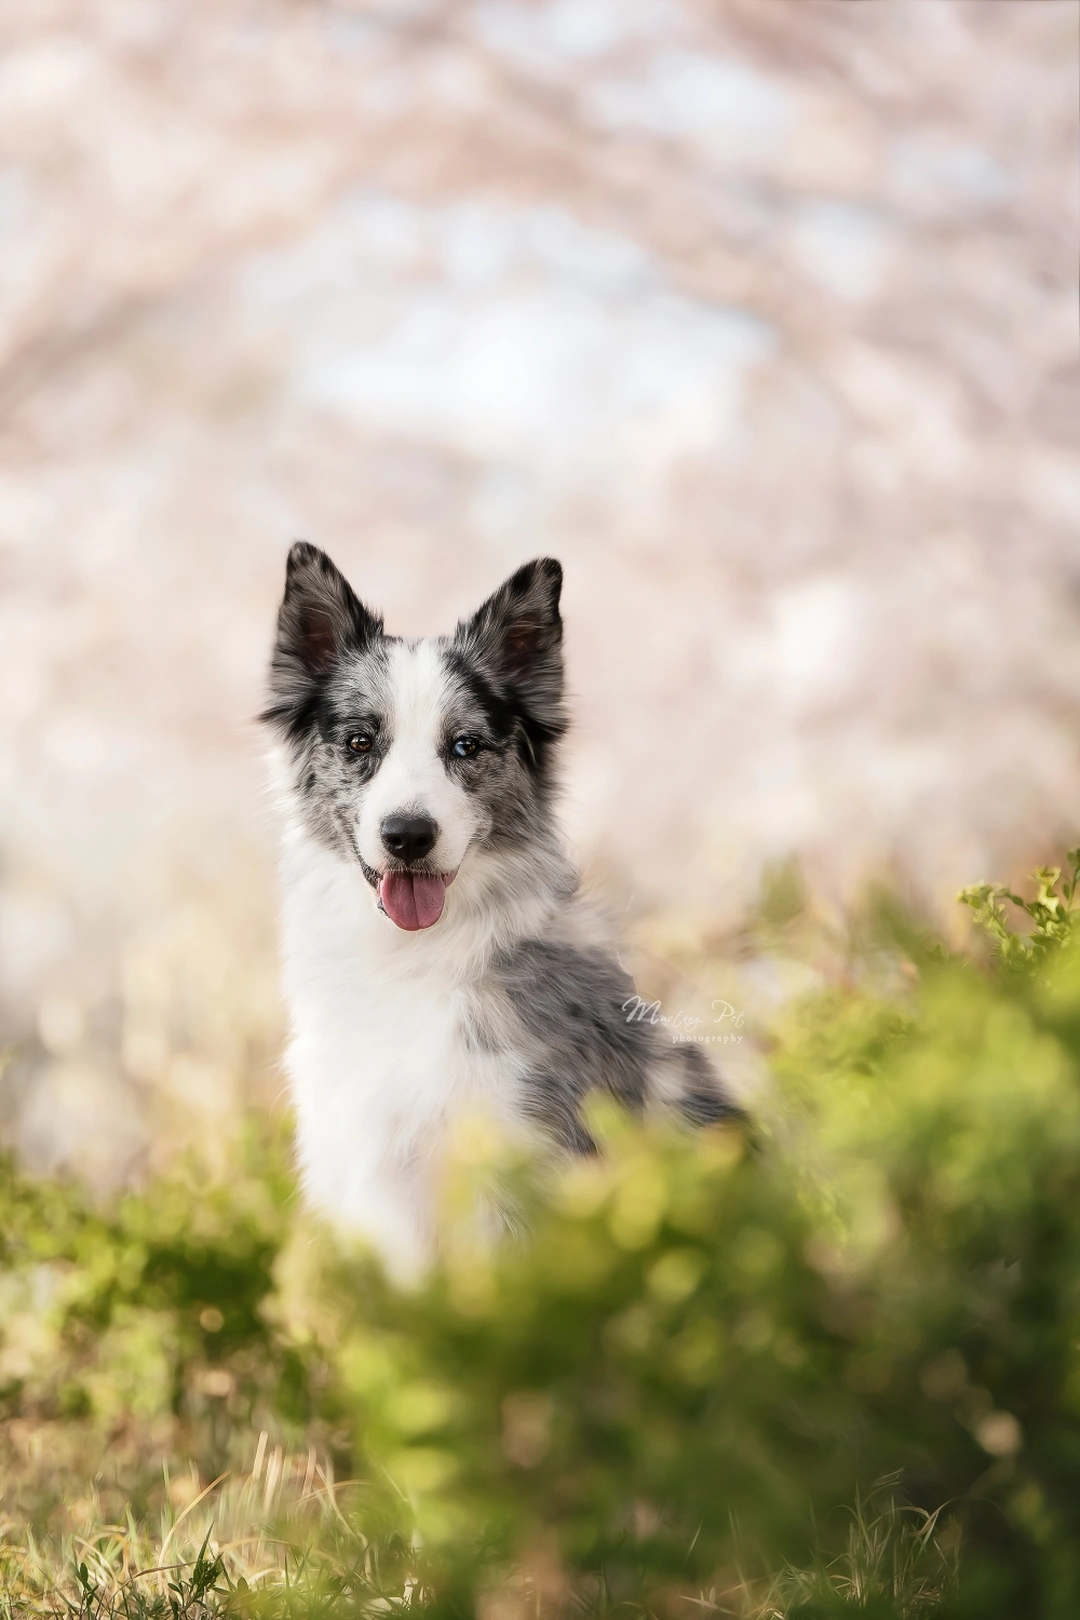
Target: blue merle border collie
column 439, row 960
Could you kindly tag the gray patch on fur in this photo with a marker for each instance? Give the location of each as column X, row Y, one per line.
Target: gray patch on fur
column 573, row 1004
column 702, row 1099
column 477, row 1034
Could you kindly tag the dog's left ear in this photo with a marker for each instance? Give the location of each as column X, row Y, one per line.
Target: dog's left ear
column 517, row 634
column 517, row 637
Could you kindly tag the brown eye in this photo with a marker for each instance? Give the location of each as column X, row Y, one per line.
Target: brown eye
column 360, row 742
column 465, row 747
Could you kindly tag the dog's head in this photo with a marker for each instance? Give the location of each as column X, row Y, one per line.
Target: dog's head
column 412, row 757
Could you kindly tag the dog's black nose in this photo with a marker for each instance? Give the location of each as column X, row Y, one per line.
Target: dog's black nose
column 409, row 838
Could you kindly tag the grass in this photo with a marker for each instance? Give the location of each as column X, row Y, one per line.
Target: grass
column 275, row 1542
column 894, row 1554
column 239, row 1538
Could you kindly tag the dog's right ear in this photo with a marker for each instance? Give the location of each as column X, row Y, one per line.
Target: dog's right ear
column 320, row 618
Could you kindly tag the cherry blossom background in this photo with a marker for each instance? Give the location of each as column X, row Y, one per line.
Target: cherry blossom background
column 759, row 314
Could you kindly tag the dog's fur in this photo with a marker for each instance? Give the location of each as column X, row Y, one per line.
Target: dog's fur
column 509, row 1003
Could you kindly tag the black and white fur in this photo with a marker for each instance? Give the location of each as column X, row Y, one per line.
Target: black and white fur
column 422, row 774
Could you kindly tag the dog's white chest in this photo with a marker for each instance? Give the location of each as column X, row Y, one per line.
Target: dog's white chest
column 389, row 1049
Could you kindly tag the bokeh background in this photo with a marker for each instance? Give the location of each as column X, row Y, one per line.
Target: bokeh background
column 759, row 314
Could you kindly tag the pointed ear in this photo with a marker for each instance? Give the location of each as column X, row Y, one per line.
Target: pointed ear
column 320, row 618
column 517, row 635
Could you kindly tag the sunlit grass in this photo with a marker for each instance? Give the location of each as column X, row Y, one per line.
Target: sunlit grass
column 276, row 1541
column 207, row 1547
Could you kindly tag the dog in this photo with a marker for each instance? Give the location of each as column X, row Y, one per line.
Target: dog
column 439, row 960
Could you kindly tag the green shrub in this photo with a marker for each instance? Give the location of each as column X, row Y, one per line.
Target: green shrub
column 706, row 1349
column 828, row 1368
column 144, row 1327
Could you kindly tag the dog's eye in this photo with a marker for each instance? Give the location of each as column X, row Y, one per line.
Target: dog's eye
column 465, row 747
column 360, row 742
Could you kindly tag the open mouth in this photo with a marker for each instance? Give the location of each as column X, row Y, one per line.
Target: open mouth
column 413, row 900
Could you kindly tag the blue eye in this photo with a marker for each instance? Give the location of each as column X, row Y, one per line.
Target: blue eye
column 465, row 747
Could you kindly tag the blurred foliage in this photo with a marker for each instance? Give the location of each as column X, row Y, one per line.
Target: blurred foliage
column 830, row 1370
column 144, row 1325
column 1050, row 914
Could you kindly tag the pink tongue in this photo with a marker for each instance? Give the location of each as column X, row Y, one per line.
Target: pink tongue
column 412, row 899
